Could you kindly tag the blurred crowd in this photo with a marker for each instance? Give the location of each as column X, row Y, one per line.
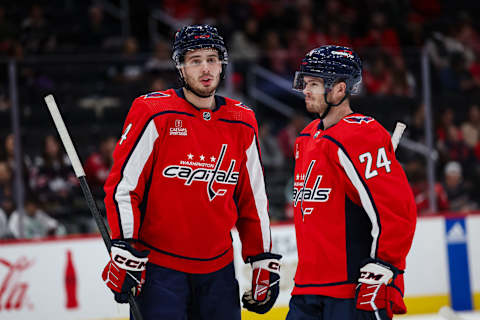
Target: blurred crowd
column 389, row 35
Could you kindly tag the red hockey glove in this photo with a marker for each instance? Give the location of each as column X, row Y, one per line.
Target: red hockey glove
column 376, row 289
column 265, row 283
column 125, row 272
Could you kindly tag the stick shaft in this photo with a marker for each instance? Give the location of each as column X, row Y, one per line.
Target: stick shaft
column 80, row 173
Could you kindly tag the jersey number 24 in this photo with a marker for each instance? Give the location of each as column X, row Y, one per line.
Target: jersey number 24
column 382, row 161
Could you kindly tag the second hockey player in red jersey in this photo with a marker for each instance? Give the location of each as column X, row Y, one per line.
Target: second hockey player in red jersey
column 187, row 170
column 353, row 207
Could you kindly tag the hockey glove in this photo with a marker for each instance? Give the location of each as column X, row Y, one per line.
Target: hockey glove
column 125, row 272
column 376, row 289
column 265, row 283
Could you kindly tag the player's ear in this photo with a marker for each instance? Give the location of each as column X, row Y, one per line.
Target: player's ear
column 341, row 87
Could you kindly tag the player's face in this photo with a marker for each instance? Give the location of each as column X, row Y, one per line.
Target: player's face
column 314, row 91
column 201, row 70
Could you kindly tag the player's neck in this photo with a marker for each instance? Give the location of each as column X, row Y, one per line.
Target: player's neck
column 202, row 103
column 336, row 114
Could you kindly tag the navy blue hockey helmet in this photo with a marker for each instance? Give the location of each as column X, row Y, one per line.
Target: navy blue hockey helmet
column 333, row 64
column 198, row 37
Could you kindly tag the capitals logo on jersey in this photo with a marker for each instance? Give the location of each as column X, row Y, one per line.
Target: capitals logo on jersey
column 358, row 119
column 302, row 193
column 207, row 172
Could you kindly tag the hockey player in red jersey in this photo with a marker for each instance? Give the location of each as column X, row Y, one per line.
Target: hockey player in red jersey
column 187, row 170
column 354, row 210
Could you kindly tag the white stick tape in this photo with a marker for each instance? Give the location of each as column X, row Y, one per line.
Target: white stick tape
column 397, row 134
column 62, row 130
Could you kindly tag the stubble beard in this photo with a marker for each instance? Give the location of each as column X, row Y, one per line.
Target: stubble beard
column 314, row 107
column 200, row 89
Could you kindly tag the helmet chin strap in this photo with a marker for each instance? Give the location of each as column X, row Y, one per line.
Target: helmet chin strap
column 330, row 105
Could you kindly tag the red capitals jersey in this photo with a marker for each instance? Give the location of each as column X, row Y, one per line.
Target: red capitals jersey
column 352, row 201
column 183, row 177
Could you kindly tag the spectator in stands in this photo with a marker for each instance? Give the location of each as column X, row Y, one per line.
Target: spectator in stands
column 447, row 117
column 9, row 158
column 6, row 191
column 462, row 80
column 54, row 181
column 99, row 163
column 301, row 42
column 450, row 59
column 456, row 189
column 275, row 56
column 7, row 33
column 380, row 36
column 475, row 72
column 245, row 42
column 417, row 177
column 335, row 33
column 97, row 34
column 279, row 18
column 403, row 82
column 378, row 79
column 4, row 229
column 286, row 136
column 130, row 69
column 161, row 58
column 272, row 157
column 4, row 104
column 184, row 11
column 416, row 127
column 158, row 84
column 471, row 127
column 36, row 223
column 453, row 147
column 335, row 11
column 37, row 35
column 467, row 35
column 415, row 30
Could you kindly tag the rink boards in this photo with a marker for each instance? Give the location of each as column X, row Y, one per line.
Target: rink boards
column 36, row 281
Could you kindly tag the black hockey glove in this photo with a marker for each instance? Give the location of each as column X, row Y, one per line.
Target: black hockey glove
column 125, row 272
column 265, row 283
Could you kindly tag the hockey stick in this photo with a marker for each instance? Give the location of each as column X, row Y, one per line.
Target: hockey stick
column 77, row 167
column 397, row 134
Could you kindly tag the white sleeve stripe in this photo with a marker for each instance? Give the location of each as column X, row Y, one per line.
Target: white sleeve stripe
column 130, row 176
column 257, row 184
column 364, row 198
